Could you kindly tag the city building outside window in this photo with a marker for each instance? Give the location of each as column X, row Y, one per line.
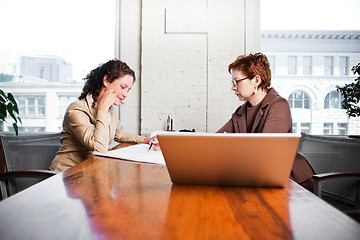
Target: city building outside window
column 328, row 128
column 294, row 127
column 328, row 65
column 299, row 99
column 48, row 51
column 64, row 101
column 306, row 128
column 271, row 60
column 27, row 129
column 292, row 65
column 342, row 128
column 31, row 106
column 307, row 65
column 333, row 100
column 331, row 45
column 344, row 65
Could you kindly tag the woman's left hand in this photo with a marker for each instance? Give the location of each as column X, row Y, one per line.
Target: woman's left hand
column 153, row 142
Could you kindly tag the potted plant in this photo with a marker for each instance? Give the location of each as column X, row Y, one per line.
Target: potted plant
column 351, row 94
column 8, row 106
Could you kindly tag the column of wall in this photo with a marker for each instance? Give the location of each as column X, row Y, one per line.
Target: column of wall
column 184, row 74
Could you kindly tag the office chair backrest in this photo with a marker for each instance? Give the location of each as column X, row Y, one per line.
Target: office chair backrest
column 29, row 152
column 334, row 154
column 331, row 153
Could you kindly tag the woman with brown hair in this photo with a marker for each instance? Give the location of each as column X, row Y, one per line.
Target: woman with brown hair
column 91, row 124
column 264, row 110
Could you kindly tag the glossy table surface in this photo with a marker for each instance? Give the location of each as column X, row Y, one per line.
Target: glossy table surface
column 105, row 198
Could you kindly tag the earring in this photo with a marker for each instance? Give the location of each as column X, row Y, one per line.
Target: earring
column 255, row 90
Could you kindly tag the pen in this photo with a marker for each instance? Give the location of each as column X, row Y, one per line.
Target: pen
column 150, row 145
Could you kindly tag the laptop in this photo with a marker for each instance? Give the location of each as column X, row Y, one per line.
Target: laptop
column 229, row 159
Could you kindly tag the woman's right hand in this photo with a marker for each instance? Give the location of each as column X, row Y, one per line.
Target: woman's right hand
column 106, row 101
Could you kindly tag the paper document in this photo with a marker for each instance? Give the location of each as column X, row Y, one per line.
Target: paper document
column 138, row 152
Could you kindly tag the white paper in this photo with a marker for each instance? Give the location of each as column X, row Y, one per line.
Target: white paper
column 138, row 152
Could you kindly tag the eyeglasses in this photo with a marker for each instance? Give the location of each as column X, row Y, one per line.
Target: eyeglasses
column 236, row 82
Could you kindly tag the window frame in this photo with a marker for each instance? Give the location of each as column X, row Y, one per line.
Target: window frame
column 305, row 100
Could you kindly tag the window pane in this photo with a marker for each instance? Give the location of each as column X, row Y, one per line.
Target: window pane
column 30, row 106
column 326, row 51
column 292, row 65
column 291, row 100
column 328, row 128
column 306, row 128
column 342, row 128
column 294, row 127
column 344, row 69
column 328, row 65
column 299, row 99
column 333, row 100
column 271, row 60
column 48, row 47
column 64, row 101
column 307, row 65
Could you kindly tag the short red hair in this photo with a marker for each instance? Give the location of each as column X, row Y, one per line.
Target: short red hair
column 252, row 65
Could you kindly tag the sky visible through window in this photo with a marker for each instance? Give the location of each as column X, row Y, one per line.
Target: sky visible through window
column 81, row 31
column 310, row 15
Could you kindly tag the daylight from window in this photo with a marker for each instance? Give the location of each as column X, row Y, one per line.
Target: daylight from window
column 310, row 53
column 47, row 48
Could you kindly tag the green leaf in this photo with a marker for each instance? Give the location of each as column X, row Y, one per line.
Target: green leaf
column 9, row 106
column 2, row 99
column 10, row 109
column 2, row 93
column 351, row 94
column 12, row 99
column 16, row 128
column 16, row 109
column 3, row 111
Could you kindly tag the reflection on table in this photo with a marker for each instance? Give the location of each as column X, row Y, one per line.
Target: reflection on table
column 104, row 198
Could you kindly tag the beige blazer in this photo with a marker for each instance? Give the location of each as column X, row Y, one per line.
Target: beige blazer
column 86, row 130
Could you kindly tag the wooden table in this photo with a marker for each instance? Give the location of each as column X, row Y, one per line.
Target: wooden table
column 104, row 198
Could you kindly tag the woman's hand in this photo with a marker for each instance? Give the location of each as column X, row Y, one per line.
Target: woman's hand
column 153, row 142
column 106, row 101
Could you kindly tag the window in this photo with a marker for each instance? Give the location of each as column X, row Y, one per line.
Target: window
column 49, row 47
column 23, row 129
column 328, row 128
column 31, row 106
column 333, row 100
column 292, row 65
column 306, row 128
column 299, row 99
column 294, row 127
column 307, row 65
column 271, row 60
column 344, row 65
column 342, row 128
column 328, row 65
column 326, row 51
column 64, row 101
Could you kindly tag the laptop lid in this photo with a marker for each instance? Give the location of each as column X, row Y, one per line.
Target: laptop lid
column 232, row 159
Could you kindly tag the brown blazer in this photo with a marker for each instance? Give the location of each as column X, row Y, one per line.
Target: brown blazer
column 274, row 116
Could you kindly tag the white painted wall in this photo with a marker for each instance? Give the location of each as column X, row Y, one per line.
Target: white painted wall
column 184, row 73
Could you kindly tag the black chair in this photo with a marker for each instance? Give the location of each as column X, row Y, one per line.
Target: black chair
column 336, row 162
column 27, row 160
